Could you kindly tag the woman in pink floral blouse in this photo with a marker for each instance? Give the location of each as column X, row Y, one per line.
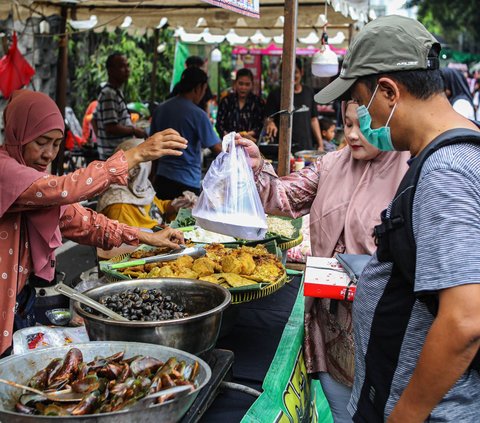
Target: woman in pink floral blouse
column 344, row 192
column 37, row 209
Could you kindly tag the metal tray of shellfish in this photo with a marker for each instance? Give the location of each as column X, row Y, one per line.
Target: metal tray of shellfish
column 22, row 368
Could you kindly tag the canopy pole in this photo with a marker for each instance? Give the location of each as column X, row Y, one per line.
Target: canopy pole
column 153, row 79
column 288, row 73
column 61, row 89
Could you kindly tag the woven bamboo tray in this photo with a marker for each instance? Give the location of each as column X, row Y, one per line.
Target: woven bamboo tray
column 290, row 244
column 239, row 295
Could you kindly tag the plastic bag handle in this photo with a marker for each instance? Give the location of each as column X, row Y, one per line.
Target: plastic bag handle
column 228, row 141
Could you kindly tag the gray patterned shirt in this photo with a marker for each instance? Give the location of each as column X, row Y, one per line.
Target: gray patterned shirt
column 111, row 108
column 446, row 224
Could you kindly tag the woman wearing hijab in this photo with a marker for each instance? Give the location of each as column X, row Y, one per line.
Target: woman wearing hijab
column 344, row 192
column 136, row 203
column 458, row 93
column 37, row 209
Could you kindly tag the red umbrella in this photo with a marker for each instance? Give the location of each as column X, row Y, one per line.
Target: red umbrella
column 15, row 71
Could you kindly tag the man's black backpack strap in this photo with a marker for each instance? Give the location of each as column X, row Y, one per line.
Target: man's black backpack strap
column 394, row 236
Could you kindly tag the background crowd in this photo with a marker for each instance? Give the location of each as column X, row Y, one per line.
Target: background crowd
column 389, row 356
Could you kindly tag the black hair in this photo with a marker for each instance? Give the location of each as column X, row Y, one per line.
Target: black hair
column 191, row 79
column 244, row 72
column 299, row 63
column 194, row 62
column 326, row 124
column 420, row 83
column 111, row 59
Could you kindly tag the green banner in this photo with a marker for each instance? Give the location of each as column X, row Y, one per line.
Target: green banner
column 181, row 54
column 289, row 395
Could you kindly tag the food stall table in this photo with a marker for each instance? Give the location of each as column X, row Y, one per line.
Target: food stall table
column 253, row 338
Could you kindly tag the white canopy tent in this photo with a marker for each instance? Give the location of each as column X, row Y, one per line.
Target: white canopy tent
column 200, row 21
column 285, row 20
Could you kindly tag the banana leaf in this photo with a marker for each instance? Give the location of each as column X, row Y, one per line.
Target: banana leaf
column 185, row 219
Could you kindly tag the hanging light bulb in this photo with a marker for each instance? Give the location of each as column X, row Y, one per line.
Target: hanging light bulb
column 216, row 55
column 126, row 22
column 44, row 27
column 325, row 62
column 162, row 23
column 85, row 24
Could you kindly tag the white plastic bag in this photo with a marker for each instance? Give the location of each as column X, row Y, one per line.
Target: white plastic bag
column 229, row 203
column 40, row 337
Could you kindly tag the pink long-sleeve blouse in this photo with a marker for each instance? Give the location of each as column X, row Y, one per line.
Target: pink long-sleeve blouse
column 76, row 223
column 344, row 197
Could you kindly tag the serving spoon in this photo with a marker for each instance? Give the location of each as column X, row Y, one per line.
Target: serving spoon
column 81, row 298
column 149, row 400
column 194, row 252
column 65, row 395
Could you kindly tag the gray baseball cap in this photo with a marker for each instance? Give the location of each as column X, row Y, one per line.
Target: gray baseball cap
column 387, row 44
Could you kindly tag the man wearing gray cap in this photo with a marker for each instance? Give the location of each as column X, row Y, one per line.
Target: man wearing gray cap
column 416, row 313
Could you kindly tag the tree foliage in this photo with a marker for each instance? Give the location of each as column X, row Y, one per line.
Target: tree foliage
column 88, row 53
column 454, row 20
column 225, row 66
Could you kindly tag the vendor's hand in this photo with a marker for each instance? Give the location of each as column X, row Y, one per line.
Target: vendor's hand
column 167, row 237
column 139, row 133
column 271, row 129
column 186, row 201
column 252, row 150
column 250, row 135
column 165, row 143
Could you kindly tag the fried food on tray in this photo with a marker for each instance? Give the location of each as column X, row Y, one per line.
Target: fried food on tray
column 203, row 266
column 241, row 265
column 236, row 280
column 161, row 272
column 216, row 252
column 133, row 274
column 141, row 268
column 248, row 264
column 231, row 264
column 186, row 274
column 229, row 267
column 231, row 279
column 150, row 253
column 267, row 272
column 150, row 266
column 217, row 279
column 185, row 261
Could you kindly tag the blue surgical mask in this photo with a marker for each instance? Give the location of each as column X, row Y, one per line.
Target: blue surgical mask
column 378, row 137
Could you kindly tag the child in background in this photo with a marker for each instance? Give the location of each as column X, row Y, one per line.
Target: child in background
column 327, row 129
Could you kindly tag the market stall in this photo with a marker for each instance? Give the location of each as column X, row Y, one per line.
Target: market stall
column 252, row 328
column 284, row 21
column 154, row 303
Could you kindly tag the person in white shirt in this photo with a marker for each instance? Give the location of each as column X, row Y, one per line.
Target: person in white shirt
column 457, row 92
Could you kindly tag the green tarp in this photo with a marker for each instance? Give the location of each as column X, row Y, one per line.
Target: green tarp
column 288, row 393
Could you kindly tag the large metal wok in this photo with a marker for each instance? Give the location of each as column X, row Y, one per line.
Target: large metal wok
column 22, row 367
column 198, row 333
